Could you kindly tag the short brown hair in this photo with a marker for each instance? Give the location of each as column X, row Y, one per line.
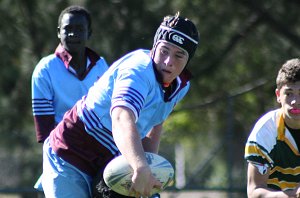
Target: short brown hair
column 288, row 73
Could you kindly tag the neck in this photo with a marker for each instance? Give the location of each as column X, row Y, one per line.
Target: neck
column 292, row 124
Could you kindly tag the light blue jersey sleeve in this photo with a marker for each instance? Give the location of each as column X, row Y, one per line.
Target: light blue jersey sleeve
column 42, row 92
column 130, row 90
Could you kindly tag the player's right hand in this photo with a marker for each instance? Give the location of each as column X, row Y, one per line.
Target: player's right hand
column 143, row 182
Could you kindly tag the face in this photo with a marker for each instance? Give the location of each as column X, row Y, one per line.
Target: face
column 289, row 98
column 169, row 60
column 73, row 32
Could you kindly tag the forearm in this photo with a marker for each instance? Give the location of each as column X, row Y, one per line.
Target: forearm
column 257, row 185
column 152, row 140
column 266, row 192
column 127, row 138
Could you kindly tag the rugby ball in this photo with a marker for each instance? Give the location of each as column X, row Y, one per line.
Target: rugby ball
column 118, row 173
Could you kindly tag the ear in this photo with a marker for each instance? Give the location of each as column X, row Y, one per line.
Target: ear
column 58, row 32
column 277, row 92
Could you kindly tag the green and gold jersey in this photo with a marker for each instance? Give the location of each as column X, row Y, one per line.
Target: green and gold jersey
column 271, row 145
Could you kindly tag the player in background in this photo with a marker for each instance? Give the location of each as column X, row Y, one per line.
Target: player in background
column 60, row 79
column 122, row 113
column 272, row 149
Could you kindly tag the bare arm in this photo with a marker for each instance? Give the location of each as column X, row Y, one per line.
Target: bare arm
column 152, row 140
column 257, row 186
column 129, row 143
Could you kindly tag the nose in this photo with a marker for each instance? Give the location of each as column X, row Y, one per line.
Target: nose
column 296, row 101
column 169, row 61
column 71, row 34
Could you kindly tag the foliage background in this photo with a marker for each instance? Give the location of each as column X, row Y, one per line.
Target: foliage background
column 242, row 45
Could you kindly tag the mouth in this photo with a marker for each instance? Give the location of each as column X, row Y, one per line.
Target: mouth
column 295, row 111
column 166, row 71
column 73, row 42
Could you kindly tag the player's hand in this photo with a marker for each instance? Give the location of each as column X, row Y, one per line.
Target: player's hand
column 143, row 182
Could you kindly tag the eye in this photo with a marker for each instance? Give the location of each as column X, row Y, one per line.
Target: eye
column 180, row 56
column 66, row 29
column 164, row 51
column 80, row 29
column 288, row 93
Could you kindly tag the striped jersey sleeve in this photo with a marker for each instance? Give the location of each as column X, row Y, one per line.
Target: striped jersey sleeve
column 130, row 91
column 262, row 140
column 132, row 83
column 42, row 100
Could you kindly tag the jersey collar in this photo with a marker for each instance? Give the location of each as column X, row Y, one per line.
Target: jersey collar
column 66, row 57
column 181, row 81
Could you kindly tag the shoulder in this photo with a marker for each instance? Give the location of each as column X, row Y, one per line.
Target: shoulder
column 133, row 70
column 265, row 130
column 139, row 58
column 102, row 62
column 268, row 119
column 134, row 63
column 47, row 62
column 100, row 65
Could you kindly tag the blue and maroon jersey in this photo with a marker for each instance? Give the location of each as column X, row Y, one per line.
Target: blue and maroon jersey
column 130, row 82
column 84, row 136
